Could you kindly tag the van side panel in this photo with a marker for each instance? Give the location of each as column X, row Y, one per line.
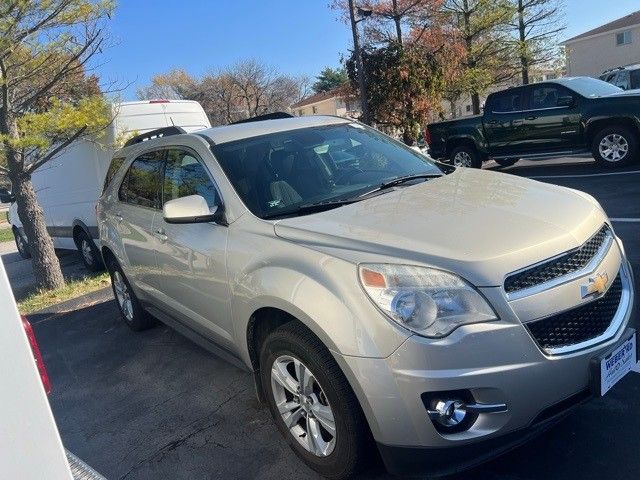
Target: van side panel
column 68, row 187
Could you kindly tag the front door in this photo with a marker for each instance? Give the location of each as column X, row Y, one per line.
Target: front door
column 550, row 123
column 133, row 215
column 191, row 257
column 503, row 122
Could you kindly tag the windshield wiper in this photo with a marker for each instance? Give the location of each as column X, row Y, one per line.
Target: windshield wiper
column 400, row 180
column 313, row 207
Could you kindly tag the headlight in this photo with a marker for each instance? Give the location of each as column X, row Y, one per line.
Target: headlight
column 427, row 301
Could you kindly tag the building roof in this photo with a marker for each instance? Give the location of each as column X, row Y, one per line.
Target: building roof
column 317, row 97
column 627, row 21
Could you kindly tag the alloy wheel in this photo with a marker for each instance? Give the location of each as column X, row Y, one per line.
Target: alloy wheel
column 613, row 147
column 87, row 251
column 123, row 296
column 462, row 159
column 303, row 405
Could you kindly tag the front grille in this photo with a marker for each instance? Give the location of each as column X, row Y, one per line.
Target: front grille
column 579, row 324
column 558, row 267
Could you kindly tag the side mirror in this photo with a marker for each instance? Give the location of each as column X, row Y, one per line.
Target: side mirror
column 566, row 101
column 191, row 209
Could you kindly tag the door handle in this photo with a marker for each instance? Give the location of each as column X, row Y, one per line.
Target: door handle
column 531, row 117
column 160, row 235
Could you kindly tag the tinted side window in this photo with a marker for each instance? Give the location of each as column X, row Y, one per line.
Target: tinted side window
column 114, row 166
column 508, row 101
column 635, row 78
column 141, row 184
column 184, row 175
column 546, row 96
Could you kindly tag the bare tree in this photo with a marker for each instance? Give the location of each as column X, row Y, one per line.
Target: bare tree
column 482, row 26
column 246, row 89
column 537, row 24
column 44, row 48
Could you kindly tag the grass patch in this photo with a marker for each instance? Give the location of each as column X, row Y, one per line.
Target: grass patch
column 6, row 235
column 46, row 298
column 4, row 217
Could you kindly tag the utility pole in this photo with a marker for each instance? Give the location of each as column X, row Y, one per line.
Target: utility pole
column 357, row 50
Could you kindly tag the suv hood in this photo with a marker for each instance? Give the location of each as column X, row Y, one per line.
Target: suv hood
column 479, row 224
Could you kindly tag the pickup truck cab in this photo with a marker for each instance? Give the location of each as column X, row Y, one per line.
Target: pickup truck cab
column 568, row 116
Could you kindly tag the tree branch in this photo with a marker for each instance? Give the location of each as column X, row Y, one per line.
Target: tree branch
column 38, row 163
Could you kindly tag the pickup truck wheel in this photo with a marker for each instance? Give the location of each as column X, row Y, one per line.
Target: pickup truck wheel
column 130, row 308
column 465, row 156
column 615, row 147
column 312, row 403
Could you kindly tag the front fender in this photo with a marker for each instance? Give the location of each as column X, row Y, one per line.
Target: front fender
column 328, row 301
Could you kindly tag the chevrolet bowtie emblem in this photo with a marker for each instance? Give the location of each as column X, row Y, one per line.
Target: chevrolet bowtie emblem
column 597, row 284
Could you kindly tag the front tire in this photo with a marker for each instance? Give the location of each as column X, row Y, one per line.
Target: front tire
column 89, row 254
column 312, row 403
column 465, row 156
column 615, row 147
column 136, row 318
column 21, row 245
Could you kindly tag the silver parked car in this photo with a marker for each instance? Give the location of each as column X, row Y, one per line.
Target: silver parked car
column 385, row 303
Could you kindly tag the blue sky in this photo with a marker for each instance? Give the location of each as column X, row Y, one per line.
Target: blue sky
column 296, row 36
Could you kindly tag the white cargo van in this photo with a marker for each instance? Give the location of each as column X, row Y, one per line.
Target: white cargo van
column 69, row 185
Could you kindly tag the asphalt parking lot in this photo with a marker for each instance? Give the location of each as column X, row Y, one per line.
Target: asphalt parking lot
column 153, row 405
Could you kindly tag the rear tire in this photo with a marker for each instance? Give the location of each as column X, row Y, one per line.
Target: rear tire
column 615, row 146
column 136, row 318
column 89, row 254
column 465, row 156
column 21, row 245
column 326, row 389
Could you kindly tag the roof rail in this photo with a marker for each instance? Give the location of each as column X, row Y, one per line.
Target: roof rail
column 266, row 116
column 158, row 133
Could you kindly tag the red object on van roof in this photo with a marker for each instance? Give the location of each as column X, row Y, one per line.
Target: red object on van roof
column 159, row 100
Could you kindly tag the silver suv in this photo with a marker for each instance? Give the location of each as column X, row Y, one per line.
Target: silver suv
column 385, row 303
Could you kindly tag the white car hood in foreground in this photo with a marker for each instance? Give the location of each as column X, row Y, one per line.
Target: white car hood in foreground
column 479, row 224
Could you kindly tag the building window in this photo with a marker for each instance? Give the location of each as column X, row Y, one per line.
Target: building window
column 300, row 112
column 315, row 109
column 468, row 108
column 623, row 38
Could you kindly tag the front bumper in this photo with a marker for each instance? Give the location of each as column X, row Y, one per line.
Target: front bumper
column 497, row 362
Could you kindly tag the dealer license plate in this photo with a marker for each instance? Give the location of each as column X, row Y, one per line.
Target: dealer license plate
column 617, row 363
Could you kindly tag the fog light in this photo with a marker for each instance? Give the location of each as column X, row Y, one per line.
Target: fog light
column 448, row 413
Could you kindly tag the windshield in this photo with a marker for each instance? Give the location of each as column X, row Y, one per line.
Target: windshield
column 592, row 87
column 277, row 174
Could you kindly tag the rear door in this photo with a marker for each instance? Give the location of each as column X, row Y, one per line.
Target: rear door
column 503, row 122
column 551, row 127
column 191, row 257
column 137, row 206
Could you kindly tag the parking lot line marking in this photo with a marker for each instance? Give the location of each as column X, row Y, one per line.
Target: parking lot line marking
column 628, row 220
column 606, row 174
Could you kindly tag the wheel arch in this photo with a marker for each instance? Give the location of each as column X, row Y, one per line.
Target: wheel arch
column 596, row 125
column 459, row 141
column 267, row 319
column 79, row 226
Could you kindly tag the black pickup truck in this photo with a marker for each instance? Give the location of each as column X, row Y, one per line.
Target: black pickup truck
column 568, row 116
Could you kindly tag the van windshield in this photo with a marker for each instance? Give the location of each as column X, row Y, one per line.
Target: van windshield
column 280, row 173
